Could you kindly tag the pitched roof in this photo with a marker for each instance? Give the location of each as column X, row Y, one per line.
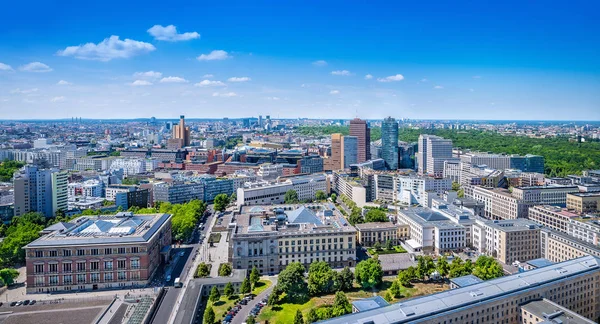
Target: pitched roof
column 303, row 215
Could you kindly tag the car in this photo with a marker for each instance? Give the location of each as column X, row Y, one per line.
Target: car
column 244, row 302
column 168, row 278
column 26, row 302
column 19, row 303
column 32, row 302
column 13, row 304
column 182, row 253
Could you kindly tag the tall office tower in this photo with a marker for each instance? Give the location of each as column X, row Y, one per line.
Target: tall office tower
column 34, row 190
column 181, row 132
column 433, row 151
column 389, row 143
column 336, row 152
column 260, row 122
column 360, row 129
column 349, row 151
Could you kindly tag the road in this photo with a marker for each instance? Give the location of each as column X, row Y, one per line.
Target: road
column 181, row 270
column 245, row 311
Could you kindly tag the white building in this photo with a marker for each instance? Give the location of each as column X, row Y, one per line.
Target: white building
column 263, row 193
column 433, row 151
column 270, row 171
column 412, row 189
column 129, row 166
column 308, row 185
column 88, row 188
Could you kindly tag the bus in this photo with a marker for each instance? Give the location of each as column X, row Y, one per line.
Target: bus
column 178, row 283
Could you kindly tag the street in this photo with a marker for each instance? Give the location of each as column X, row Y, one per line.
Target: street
column 241, row 316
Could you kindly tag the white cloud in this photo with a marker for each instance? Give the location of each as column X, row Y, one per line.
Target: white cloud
column 392, row 78
column 108, row 49
column 319, row 63
column 147, row 75
column 137, row 83
column 424, row 80
column 225, row 94
column 472, row 90
column 5, row 67
column 208, row 83
column 239, row 79
column 172, row 79
column 273, row 98
column 438, row 87
column 334, row 92
column 476, row 77
column 35, row 67
column 24, row 91
column 169, row 33
column 206, row 76
column 63, row 82
column 214, row 56
column 368, row 77
column 58, row 99
column 341, row 72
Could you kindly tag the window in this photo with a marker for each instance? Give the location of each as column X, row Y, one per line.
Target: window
column 108, row 276
column 67, row 253
column 95, row 277
column 121, row 251
column 53, row 253
column 135, row 249
column 53, row 267
column 94, row 251
column 121, row 275
column 81, row 278
column 67, row 267
column 120, row 264
column 39, row 254
column 67, row 280
column 107, row 251
column 135, row 264
column 53, row 280
column 80, row 266
column 108, row 265
column 80, row 252
column 94, row 265
column 38, row 268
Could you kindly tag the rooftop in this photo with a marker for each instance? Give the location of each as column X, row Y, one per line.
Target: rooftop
column 465, row 281
column 369, row 303
column 554, row 313
column 376, row 225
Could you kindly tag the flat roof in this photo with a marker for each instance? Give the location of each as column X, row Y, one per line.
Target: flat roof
column 554, row 313
column 439, row 304
column 465, row 281
column 376, row 225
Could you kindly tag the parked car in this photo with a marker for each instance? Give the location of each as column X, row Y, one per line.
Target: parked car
column 13, row 304
column 19, row 303
column 26, row 302
column 32, row 302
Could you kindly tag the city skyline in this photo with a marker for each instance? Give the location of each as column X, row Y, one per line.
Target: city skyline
column 328, row 61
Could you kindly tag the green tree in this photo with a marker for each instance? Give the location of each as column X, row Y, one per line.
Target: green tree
column 442, row 266
column 291, row 197
column 487, row 268
column 8, row 275
column 321, row 278
column 377, row 246
column 334, row 197
column 203, row 270
column 291, row 282
column 21, row 231
column 456, row 268
column 298, row 319
column 229, row 290
column 246, row 287
column 224, row 269
column 250, row 320
column 461, row 193
column 455, row 186
column 221, row 201
column 396, row 289
column 376, row 215
column 341, row 305
column 368, row 273
column 185, row 217
column 344, row 279
column 254, row 276
column 389, row 245
column 233, row 197
column 388, row 296
column 311, row 317
column 274, row 296
column 209, row 315
column 320, row 195
column 215, row 295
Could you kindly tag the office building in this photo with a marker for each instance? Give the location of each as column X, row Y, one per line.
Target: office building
column 311, row 164
column 360, row 129
column 586, row 228
column 527, row 163
column 130, row 166
column 408, row 188
column 545, row 311
column 178, row 192
column 60, row 192
column 389, row 143
column 349, row 186
column 98, row 252
column 39, row 190
column 507, row 240
column 559, row 247
column 367, row 234
column 432, row 152
column 265, row 193
column 181, row 132
column 271, row 237
column 585, row 202
column 349, row 151
column 334, row 162
column 88, row 188
column 571, row 284
column 269, row 171
column 135, row 198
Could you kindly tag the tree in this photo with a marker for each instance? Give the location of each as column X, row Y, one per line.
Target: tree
column 389, row 245
column 215, row 295
column 291, row 282
column 221, row 201
column 311, row 317
column 356, row 217
column 229, row 290
column 21, row 231
column 344, row 279
column 461, row 193
column 8, row 276
column 395, row 289
column 321, row 278
column 254, row 276
column 246, row 287
column 421, row 267
column 487, row 268
column 224, row 269
column 250, row 320
column 209, row 315
column 455, row 186
column 320, row 195
column 298, row 319
column 291, row 197
column 377, row 246
column 376, row 215
column 341, row 305
column 442, row 266
column 274, row 296
column 203, row 270
column 388, row 296
column 456, row 268
column 233, row 197
column 334, row 197
column 368, row 273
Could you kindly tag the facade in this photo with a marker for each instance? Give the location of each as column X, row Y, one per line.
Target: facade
column 350, row 187
column 270, row 171
column 545, row 195
column 559, row 247
column 113, row 190
column 389, row 143
column 214, row 186
column 468, row 174
column 507, row 240
column 586, row 229
column 433, row 151
column 130, row 166
column 311, row 164
column 34, row 191
column 571, row 284
column 349, row 151
column 137, row 198
column 97, row 252
column 584, row 202
column 271, row 237
column 545, row 311
column 182, row 132
column 360, row 129
column 265, row 193
column 179, row 192
column 60, row 192
column 88, row 188
column 95, row 163
column 367, row 234
column 527, row 163
column 336, row 157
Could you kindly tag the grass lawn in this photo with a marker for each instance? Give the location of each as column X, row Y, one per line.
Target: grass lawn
column 220, row 307
column 261, row 286
column 284, row 313
column 214, row 238
column 396, row 249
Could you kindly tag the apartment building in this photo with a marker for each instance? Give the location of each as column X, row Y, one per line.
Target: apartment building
column 98, row 252
column 545, row 195
column 177, row 192
column 585, row 202
column 527, row 163
column 265, row 193
column 349, row 186
column 367, row 234
column 573, row 284
column 271, row 237
column 88, row 188
column 507, row 240
column 433, row 151
column 582, row 227
column 559, row 247
column 95, row 163
column 130, row 166
column 40, row 190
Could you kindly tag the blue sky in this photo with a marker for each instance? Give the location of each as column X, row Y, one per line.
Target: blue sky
column 320, row 59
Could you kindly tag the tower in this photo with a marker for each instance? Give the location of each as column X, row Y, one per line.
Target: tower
column 182, row 132
column 389, row 143
column 360, row 129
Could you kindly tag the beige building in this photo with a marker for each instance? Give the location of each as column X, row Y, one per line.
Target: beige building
column 584, row 202
column 370, row 233
column 566, row 221
column 546, row 311
column 334, row 161
column 558, row 247
column 507, row 240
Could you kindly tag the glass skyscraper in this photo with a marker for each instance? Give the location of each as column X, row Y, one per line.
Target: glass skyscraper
column 389, row 143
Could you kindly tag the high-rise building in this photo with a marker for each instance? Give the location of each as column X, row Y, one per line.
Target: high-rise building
column 389, row 143
column 349, row 151
column 360, row 129
column 60, row 192
column 335, row 159
column 433, row 151
column 34, row 190
column 181, row 132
